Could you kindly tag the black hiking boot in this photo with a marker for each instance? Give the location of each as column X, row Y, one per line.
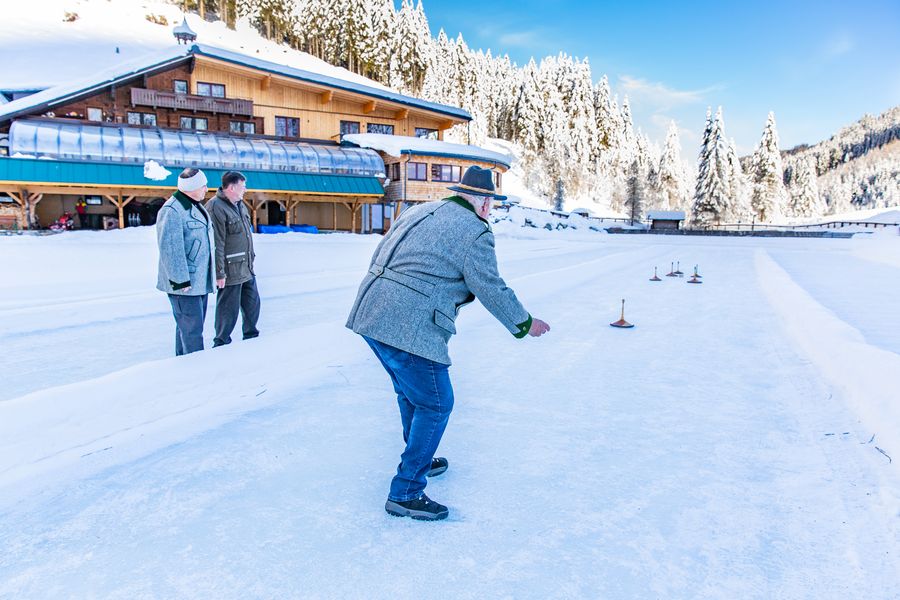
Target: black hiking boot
column 422, row 508
column 438, row 466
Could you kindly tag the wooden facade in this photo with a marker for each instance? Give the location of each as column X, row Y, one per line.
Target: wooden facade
column 241, row 100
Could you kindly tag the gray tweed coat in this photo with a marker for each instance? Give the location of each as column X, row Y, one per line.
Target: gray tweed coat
column 436, row 258
column 186, row 241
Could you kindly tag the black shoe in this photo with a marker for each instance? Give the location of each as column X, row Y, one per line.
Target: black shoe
column 422, row 509
column 438, row 466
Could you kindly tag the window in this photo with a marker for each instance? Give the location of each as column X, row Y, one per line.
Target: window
column 216, row 90
column 497, row 179
column 181, row 86
column 139, row 118
column 287, row 127
column 428, row 134
column 445, row 173
column 193, row 123
column 95, row 114
column 380, row 128
column 394, row 171
column 349, row 127
column 416, row 171
column 242, row 127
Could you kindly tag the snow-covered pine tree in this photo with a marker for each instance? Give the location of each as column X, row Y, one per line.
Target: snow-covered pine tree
column 672, row 179
column 739, row 201
column 411, row 49
column 376, row 39
column 464, row 79
column 711, row 194
column 805, row 200
column 505, row 87
column 529, row 110
column 635, row 190
column 606, row 117
column 436, row 83
column 556, row 153
column 767, row 176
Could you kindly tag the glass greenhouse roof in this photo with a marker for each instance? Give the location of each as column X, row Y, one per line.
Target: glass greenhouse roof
column 76, row 141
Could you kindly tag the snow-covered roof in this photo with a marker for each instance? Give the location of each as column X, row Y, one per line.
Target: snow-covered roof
column 666, row 215
column 398, row 145
column 64, row 93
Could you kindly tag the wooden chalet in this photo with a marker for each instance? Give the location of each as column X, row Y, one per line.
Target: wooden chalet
column 201, row 106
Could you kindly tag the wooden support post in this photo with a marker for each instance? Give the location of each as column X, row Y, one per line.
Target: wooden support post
column 265, row 82
column 334, row 215
column 353, row 212
column 257, row 205
column 291, row 205
column 19, row 199
column 31, row 204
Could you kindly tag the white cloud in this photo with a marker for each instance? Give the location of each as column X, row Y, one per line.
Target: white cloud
column 658, row 95
column 524, row 39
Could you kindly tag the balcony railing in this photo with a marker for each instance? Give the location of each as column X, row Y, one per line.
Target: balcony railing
column 162, row 99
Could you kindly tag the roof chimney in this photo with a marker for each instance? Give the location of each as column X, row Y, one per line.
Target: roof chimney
column 183, row 33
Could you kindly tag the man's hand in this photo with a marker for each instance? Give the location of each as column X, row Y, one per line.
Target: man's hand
column 538, row 328
column 186, row 290
column 220, row 283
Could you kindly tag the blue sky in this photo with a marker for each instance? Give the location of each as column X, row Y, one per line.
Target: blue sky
column 817, row 65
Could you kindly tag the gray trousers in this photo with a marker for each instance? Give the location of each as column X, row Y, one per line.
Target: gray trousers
column 190, row 312
column 230, row 300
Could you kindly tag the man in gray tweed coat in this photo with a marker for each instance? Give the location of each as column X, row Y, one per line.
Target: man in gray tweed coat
column 186, row 258
column 436, row 258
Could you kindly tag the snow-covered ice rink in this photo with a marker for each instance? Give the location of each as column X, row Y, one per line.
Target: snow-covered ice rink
column 742, row 441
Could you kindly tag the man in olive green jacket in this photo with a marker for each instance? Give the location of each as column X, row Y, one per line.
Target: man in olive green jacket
column 235, row 278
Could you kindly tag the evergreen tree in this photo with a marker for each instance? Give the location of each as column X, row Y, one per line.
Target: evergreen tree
column 805, row 200
column 411, row 49
column 672, row 179
column 635, row 191
column 739, row 202
column 436, row 83
column 767, row 175
column 711, row 194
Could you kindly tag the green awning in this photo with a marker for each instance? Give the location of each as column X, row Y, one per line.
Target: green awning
column 25, row 171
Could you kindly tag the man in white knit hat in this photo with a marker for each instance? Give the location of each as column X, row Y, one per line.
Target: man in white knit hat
column 186, row 258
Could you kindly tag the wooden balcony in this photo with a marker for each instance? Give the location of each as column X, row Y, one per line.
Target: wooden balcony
column 163, row 99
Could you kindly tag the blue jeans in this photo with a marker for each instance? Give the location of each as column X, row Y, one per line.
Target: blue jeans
column 425, row 397
column 189, row 312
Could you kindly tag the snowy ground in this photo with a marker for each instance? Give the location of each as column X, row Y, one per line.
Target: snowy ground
column 721, row 449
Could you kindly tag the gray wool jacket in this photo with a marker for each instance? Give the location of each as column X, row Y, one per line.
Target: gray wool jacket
column 436, row 258
column 234, row 239
column 186, row 248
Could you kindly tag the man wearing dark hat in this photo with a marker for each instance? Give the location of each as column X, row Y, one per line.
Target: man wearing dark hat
column 437, row 257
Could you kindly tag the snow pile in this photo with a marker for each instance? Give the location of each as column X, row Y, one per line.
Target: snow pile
column 154, row 170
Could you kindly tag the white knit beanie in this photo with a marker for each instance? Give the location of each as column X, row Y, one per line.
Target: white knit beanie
column 190, row 184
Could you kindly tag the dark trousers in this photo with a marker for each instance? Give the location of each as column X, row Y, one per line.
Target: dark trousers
column 243, row 297
column 190, row 312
